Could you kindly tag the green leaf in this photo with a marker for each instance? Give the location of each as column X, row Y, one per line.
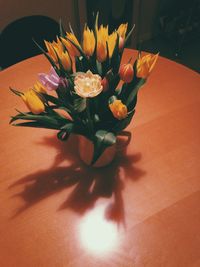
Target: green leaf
column 51, row 112
column 63, row 135
column 64, row 96
column 134, row 91
column 82, row 64
column 53, row 122
column 126, row 89
column 61, row 28
column 116, row 49
column 99, row 67
column 96, row 118
column 79, row 64
column 109, row 75
column 70, row 27
column 52, row 99
column 36, row 124
column 121, row 125
column 112, row 99
column 16, row 117
column 113, row 84
column 96, row 20
column 66, row 109
column 68, row 127
column 102, row 140
column 116, row 58
column 79, row 104
column 128, row 35
column 18, row 93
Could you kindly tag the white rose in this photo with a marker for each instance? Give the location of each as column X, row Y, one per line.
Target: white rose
column 87, row 84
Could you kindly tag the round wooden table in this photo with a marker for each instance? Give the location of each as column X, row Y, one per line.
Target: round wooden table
column 142, row 210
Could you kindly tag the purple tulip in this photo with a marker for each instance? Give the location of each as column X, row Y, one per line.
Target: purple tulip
column 52, row 81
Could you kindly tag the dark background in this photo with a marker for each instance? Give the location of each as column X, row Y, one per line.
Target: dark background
column 171, row 27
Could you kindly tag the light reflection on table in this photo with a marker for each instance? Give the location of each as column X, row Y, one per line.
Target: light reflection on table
column 97, row 234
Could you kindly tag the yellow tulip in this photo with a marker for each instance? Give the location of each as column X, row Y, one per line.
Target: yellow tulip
column 145, row 65
column 122, row 33
column 51, row 51
column 54, row 48
column 33, row 102
column 122, row 30
column 102, row 33
column 58, row 46
column 112, row 38
column 39, row 88
column 118, row 109
column 88, row 41
column 102, row 38
column 73, row 51
column 66, row 60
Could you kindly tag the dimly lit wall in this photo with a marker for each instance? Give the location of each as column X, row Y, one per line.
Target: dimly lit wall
column 148, row 19
column 56, row 9
column 142, row 13
column 145, row 15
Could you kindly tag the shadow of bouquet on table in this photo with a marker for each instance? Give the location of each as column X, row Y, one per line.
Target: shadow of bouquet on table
column 89, row 184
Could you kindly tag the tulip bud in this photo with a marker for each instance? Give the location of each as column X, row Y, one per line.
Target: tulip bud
column 121, row 43
column 118, row 109
column 126, row 72
column 33, row 102
column 105, row 84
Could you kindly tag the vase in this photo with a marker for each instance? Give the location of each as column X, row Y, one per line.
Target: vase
column 86, row 149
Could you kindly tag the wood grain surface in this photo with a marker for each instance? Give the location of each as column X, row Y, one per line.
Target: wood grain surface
column 141, row 211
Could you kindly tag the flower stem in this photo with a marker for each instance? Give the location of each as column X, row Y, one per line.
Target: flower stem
column 90, row 123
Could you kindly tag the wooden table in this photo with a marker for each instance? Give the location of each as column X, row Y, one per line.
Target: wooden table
column 143, row 210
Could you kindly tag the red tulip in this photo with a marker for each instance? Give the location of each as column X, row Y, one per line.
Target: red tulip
column 126, row 72
column 105, row 84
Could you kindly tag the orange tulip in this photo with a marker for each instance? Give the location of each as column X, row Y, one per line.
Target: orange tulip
column 145, row 65
column 118, row 109
column 126, row 72
column 101, row 51
column 73, row 51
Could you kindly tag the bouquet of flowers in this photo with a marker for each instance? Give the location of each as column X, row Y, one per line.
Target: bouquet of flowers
column 82, row 94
